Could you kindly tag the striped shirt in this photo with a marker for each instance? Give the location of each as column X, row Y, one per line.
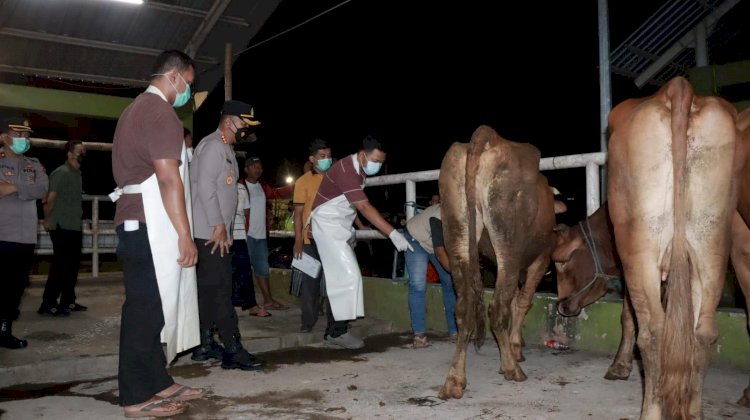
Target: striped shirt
column 344, row 177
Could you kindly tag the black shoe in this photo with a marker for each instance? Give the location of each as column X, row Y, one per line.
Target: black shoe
column 209, row 348
column 241, row 360
column 74, row 307
column 6, row 337
column 53, row 310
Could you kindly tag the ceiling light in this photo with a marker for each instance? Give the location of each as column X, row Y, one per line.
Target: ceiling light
column 130, row 1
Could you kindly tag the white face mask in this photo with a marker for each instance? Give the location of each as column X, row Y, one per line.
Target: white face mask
column 372, row 167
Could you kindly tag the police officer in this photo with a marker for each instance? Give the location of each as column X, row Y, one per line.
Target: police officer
column 213, row 179
column 22, row 182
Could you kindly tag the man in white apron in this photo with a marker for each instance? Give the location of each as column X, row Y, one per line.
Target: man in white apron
column 155, row 242
column 339, row 197
column 214, row 180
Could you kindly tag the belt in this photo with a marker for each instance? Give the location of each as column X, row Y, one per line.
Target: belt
column 128, row 189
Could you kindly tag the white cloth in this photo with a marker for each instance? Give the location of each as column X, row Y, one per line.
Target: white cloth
column 257, row 228
column 243, row 203
column 331, row 224
column 177, row 285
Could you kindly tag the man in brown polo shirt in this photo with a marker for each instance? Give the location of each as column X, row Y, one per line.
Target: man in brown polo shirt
column 339, row 198
column 147, row 164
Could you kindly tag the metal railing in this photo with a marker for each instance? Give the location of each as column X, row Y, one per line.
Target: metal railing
column 95, row 230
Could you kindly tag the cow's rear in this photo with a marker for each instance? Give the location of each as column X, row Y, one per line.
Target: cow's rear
column 671, row 197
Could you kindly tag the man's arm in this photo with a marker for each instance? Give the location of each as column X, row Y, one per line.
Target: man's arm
column 173, row 196
column 438, row 243
column 209, row 168
column 373, row 215
column 36, row 190
column 299, row 240
column 49, row 207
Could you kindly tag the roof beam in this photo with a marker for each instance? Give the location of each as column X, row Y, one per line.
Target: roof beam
column 73, row 75
column 214, row 13
column 81, row 42
column 686, row 41
column 194, row 12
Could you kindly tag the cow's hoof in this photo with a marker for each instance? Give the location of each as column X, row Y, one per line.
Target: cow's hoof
column 447, row 392
column 618, row 372
column 520, row 358
column 515, row 375
column 745, row 400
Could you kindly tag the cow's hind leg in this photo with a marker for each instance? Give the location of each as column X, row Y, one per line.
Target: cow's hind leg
column 522, row 303
column 623, row 363
column 501, row 320
column 741, row 263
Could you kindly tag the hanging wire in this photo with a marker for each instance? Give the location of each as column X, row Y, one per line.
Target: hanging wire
column 221, row 63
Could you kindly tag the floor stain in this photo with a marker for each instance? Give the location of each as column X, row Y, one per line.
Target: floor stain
column 192, row 370
column 32, row 391
column 283, row 399
column 48, row 336
column 425, row 401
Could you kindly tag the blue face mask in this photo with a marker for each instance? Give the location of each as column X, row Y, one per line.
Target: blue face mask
column 324, row 164
column 372, row 167
column 182, row 97
column 20, row 145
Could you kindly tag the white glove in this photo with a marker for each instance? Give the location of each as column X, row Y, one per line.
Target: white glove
column 399, row 241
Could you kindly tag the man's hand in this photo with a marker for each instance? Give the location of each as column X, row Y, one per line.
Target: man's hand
column 45, row 223
column 220, row 240
column 399, row 241
column 6, row 188
column 297, row 250
column 188, row 251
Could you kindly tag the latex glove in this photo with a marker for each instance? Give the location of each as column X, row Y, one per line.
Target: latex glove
column 399, row 241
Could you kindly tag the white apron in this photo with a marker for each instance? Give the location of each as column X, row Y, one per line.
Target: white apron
column 331, row 228
column 177, row 285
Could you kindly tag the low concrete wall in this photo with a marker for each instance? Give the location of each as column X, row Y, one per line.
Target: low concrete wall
column 597, row 328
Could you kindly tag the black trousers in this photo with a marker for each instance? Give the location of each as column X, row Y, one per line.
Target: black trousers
column 243, row 290
column 142, row 371
column 310, row 290
column 63, row 274
column 215, row 291
column 15, row 260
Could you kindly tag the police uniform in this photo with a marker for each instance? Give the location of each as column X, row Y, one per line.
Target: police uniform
column 18, row 228
column 213, row 181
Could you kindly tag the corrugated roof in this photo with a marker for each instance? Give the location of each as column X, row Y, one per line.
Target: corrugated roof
column 115, row 43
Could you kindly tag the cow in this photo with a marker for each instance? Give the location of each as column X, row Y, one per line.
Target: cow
column 582, row 281
column 497, row 203
column 673, row 166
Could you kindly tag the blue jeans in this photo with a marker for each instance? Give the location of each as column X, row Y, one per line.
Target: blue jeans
column 416, row 265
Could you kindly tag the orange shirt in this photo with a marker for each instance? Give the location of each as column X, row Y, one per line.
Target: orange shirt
column 305, row 190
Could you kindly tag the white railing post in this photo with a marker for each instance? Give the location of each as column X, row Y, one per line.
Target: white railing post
column 95, row 237
column 411, row 198
column 592, row 188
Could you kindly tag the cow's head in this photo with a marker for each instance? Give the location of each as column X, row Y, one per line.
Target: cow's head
column 576, row 283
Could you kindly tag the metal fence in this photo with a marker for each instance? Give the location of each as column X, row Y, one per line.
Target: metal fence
column 99, row 236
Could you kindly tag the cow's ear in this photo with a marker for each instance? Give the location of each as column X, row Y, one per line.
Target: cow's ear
column 560, row 207
column 564, row 251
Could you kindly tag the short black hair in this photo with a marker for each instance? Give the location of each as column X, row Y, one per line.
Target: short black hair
column 171, row 60
column 370, row 143
column 71, row 145
column 317, row 144
column 252, row 161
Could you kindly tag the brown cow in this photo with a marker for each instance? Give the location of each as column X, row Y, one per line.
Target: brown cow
column 491, row 188
column 671, row 199
column 580, row 283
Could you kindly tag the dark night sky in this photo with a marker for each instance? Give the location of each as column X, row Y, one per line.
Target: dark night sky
column 421, row 74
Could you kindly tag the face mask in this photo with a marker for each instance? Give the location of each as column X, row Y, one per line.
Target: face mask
column 181, row 98
column 324, row 164
column 79, row 158
column 20, row 145
column 372, row 167
column 242, row 134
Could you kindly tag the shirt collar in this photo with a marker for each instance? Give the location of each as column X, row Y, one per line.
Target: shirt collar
column 156, row 91
column 355, row 161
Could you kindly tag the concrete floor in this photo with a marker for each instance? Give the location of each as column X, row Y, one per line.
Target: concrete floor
column 385, row 380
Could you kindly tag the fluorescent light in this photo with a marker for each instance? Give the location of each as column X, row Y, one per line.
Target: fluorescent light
column 130, row 1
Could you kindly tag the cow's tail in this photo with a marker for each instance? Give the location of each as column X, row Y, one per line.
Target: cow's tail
column 477, row 145
column 678, row 338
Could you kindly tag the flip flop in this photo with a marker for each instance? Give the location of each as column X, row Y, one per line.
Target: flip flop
column 257, row 315
column 148, row 409
column 179, row 394
column 275, row 306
